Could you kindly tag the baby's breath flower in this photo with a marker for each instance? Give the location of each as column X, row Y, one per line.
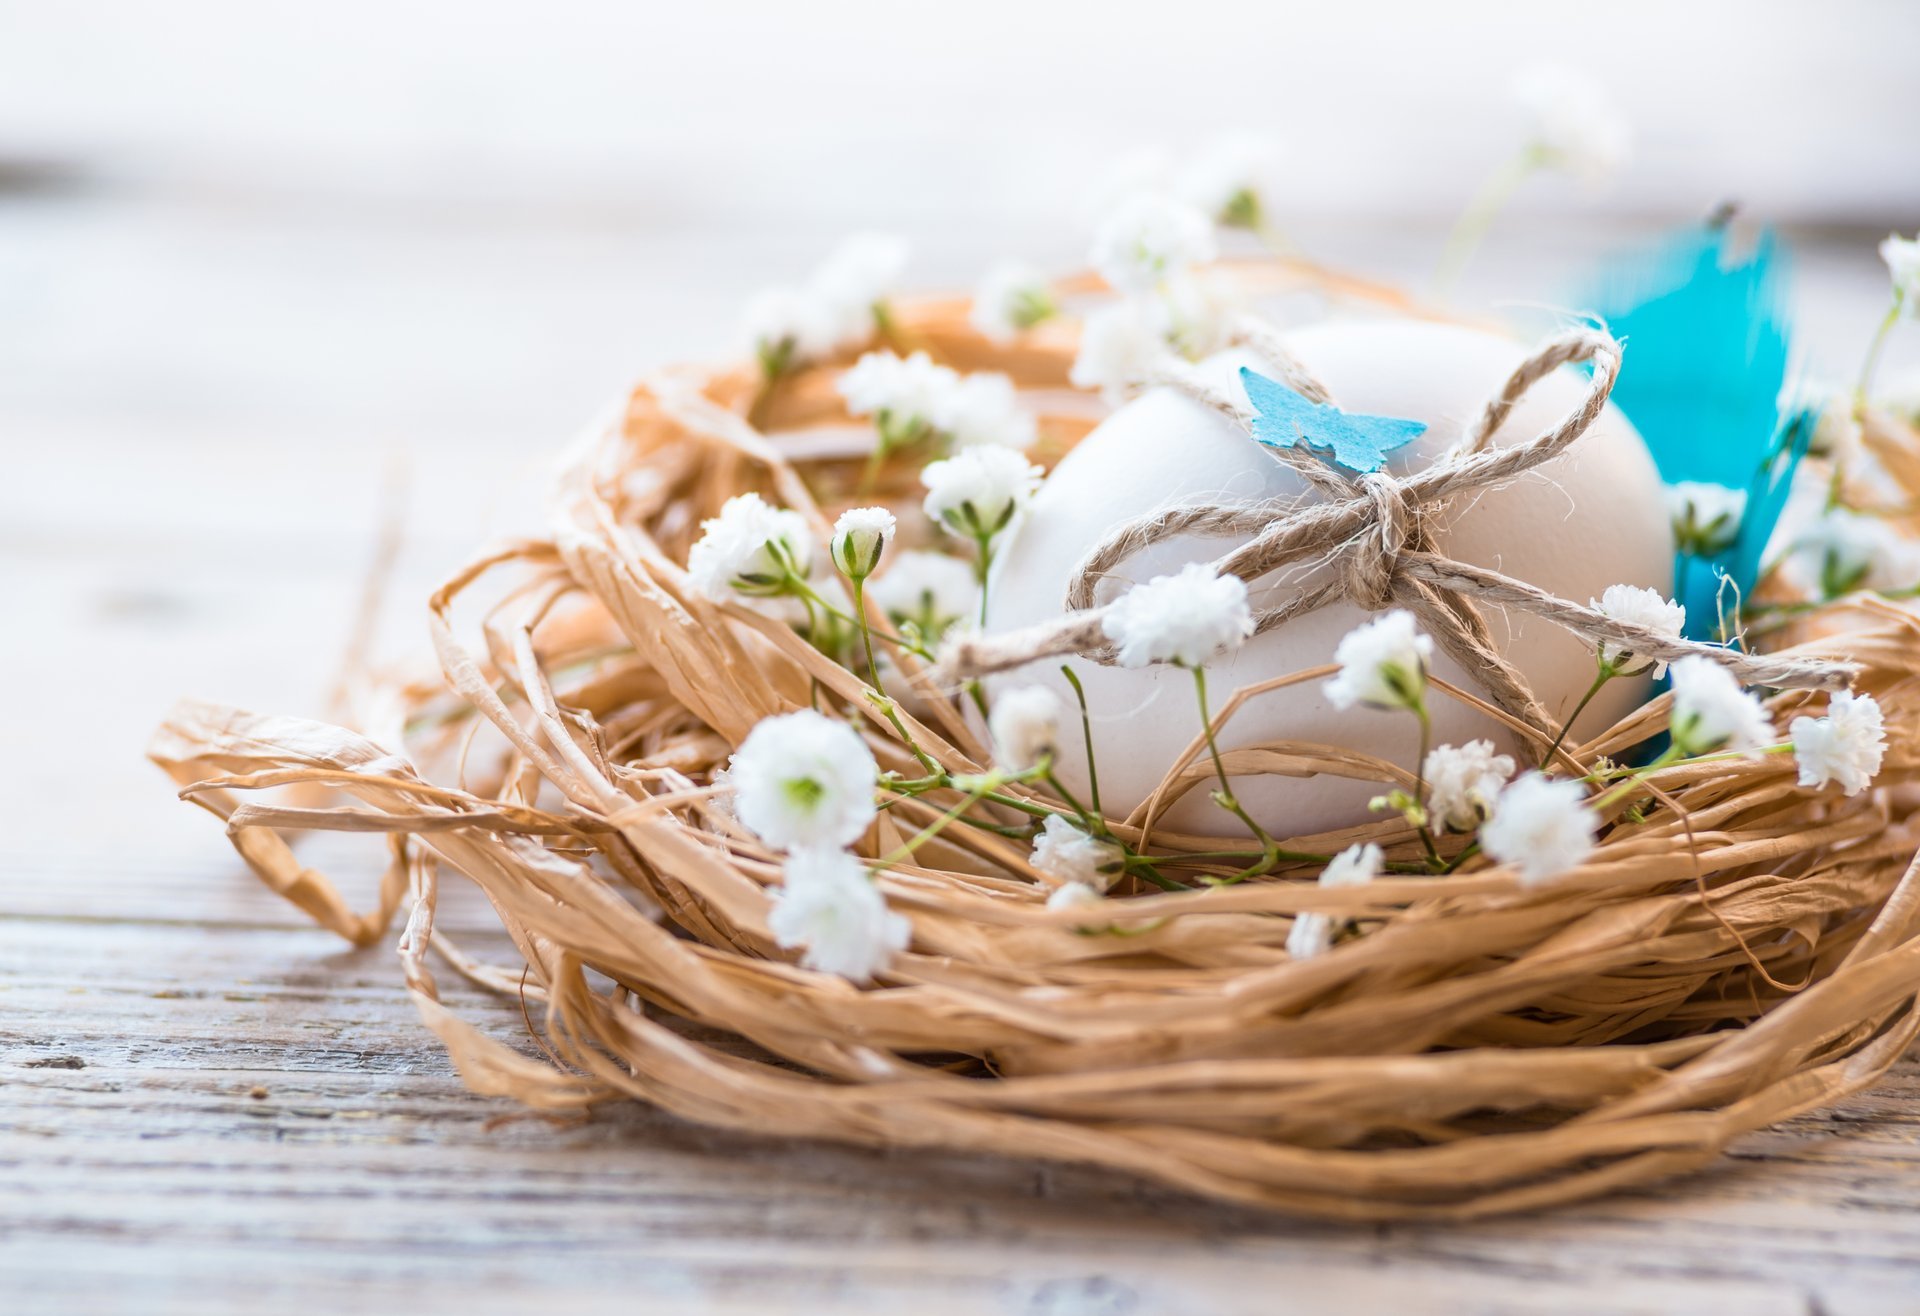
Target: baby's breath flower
column 1011, row 299
column 831, row 907
column 1902, row 256
column 904, row 395
column 1312, row 934
column 860, row 536
column 1024, row 726
column 1196, row 312
column 1540, row 827
column 977, row 491
column 1847, row 745
column 1073, row 895
column 1383, row 664
column 751, row 548
column 856, row 281
column 804, row 780
column 1185, row 618
column 787, row 326
column 1228, row 181
column 1071, row 856
column 1576, row 125
column 1642, row 607
column 1836, row 432
column 1711, row 712
column 984, row 408
column 1119, row 346
column 1148, row 237
column 930, row 591
column 1463, row 781
column 1848, row 551
column 1706, row 517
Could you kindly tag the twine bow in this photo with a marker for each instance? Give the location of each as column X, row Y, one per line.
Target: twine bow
column 1378, row 527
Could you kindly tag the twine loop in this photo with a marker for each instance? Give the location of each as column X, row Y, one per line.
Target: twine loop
column 1373, row 556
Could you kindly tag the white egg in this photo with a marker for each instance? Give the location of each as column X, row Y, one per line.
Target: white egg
column 1594, row 517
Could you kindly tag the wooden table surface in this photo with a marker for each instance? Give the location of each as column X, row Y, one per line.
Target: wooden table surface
column 206, row 1105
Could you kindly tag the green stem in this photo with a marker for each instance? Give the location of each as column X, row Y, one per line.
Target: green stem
column 1086, row 731
column 930, row 831
column 1864, row 389
column 1420, row 784
column 1606, row 675
column 1477, row 219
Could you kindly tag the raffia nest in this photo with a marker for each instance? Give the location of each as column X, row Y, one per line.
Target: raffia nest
column 1744, row 952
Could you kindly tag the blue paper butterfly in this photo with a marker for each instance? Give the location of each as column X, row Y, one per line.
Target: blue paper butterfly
column 1359, row 443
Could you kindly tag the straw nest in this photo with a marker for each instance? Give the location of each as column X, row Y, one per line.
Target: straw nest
column 1745, row 951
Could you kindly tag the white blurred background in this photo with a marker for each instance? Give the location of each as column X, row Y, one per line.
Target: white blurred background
column 250, row 252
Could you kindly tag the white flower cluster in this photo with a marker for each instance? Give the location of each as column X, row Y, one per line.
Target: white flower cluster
column 929, row 591
column 860, row 536
column 1383, row 664
column 1846, row 746
column 752, row 548
column 1541, row 828
column 1024, row 726
column 1836, row 430
column 913, row 398
column 1902, row 256
column 1843, row 551
column 1706, row 517
column 1185, row 618
column 804, row 783
column 1711, row 713
column 1642, row 607
column 1463, row 781
column 1068, row 855
column 835, row 309
column 1010, row 300
column 1312, row 934
column 1575, row 124
column 977, row 492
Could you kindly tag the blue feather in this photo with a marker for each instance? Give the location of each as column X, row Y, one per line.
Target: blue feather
column 1358, row 442
column 1706, row 340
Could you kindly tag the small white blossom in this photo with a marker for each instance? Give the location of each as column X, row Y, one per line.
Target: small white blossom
column 1312, row 933
column 1229, row 180
column 1540, row 827
column 904, row 395
column 931, row 590
column 1011, row 299
column 1847, row 551
column 788, row 326
column 1463, row 782
column 1148, row 237
column 856, row 281
column 1119, row 347
column 1902, row 256
column 1711, row 712
column 1383, row 664
column 1706, row 517
column 831, row 907
column 984, row 408
column 1074, row 895
column 1071, row 856
column 977, row 491
column 1024, row 726
column 860, row 536
column 804, row 780
column 1184, row 618
column 751, row 548
column 1575, row 124
column 1196, row 313
column 1847, row 745
column 1642, row 607
column 1836, row 431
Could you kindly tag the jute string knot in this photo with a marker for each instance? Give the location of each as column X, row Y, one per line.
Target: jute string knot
column 1377, row 526
column 1374, row 555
